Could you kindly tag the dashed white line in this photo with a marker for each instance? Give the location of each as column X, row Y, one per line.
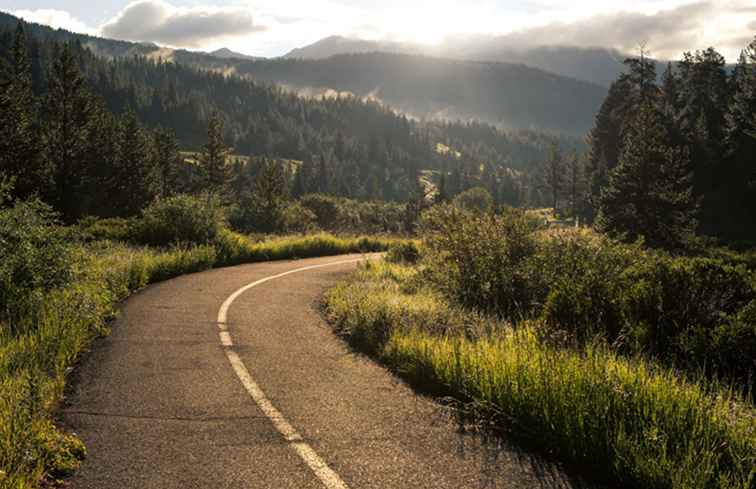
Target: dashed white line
column 322, row 471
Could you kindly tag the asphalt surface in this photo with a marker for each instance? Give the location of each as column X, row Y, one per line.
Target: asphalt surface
column 158, row 404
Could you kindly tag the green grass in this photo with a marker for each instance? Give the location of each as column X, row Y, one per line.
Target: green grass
column 55, row 327
column 620, row 419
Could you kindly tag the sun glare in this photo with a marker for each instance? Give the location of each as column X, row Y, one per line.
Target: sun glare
column 431, row 25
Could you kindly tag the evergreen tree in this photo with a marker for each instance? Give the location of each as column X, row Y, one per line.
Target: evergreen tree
column 552, row 176
column 704, row 95
column 323, row 178
column 100, row 175
column 739, row 192
column 649, row 194
column 269, row 196
column 68, row 126
column 443, row 193
column 605, row 142
column 167, row 162
column 134, row 170
column 19, row 152
column 574, row 183
column 670, row 92
column 213, row 158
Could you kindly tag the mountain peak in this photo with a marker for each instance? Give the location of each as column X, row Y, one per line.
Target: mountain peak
column 226, row 53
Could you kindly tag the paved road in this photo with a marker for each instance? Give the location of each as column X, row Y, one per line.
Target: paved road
column 161, row 403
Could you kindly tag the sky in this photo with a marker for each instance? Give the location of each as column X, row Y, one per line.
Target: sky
column 274, row 27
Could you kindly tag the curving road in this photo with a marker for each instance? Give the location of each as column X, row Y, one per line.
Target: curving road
column 208, row 382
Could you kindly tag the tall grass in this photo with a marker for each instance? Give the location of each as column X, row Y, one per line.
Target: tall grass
column 49, row 329
column 620, row 419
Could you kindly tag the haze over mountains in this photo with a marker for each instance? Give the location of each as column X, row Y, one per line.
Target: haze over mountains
column 552, row 89
column 596, row 65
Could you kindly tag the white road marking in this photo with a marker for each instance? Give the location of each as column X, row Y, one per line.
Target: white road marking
column 327, row 476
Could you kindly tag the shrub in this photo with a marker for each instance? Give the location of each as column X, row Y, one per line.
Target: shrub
column 181, row 219
column 582, row 285
column 112, row 229
column 324, row 207
column 689, row 310
column 404, row 252
column 336, row 214
column 296, row 218
column 481, row 260
column 476, row 199
column 34, row 254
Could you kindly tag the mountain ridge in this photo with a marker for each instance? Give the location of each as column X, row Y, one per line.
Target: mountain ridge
column 511, row 96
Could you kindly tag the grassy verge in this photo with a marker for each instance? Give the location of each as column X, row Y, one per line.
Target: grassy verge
column 620, row 419
column 46, row 334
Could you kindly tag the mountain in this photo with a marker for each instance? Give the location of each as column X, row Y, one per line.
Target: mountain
column 225, row 53
column 504, row 94
column 219, row 60
column 333, row 45
column 596, row 65
column 344, row 146
column 512, row 96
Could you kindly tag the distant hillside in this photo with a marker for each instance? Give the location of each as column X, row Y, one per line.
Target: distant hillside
column 511, row 96
column 595, row 65
column 508, row 95
column 333, row 45
column 225, row 53
column 219, row 60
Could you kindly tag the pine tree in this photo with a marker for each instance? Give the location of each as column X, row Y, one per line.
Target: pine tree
column 213, row 159
column 704, row 95
column 167, row 162
column 604, row 143
column 552, row 175
column 649, row 194
column 323, row 178
column 19, row 151
column 99, row 169
column 70, row 112
column 739, row 188
column 443, row 193
column 670, row 92
column 134, row 167
column 269, row 196
column 574, row 183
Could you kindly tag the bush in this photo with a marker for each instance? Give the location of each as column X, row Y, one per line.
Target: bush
column 688, row 310
column 476, row 199
column 692, row 313
column 111, row 229
column 34, row 255
column 404, row 252
column 581, row 286
column 181, row 219
column 336, row 214
column 481, row 260
column 296, row 218
column 325, row 209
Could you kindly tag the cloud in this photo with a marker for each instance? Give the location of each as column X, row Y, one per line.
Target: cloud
column 161, row 22
column 667, row 33
column 57, row 19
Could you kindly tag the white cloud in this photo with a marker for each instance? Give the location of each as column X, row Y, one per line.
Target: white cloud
column 273, row 27
column 194, row 27
column 667, row 32
column 58, row 19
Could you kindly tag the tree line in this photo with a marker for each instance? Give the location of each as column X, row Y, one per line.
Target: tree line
column 668, row 158
column 101, row 137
